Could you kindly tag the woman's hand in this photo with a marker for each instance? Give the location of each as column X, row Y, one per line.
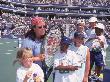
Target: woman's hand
column 40, row 57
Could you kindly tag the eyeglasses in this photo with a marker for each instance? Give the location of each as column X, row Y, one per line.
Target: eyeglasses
column 42, row 27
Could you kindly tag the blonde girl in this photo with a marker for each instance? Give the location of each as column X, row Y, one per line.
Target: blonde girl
column 29, row 71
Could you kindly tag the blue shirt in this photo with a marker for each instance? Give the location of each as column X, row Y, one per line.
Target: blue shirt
column 34, row 45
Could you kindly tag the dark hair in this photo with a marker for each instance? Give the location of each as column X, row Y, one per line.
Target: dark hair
column 31, row 34
column 79, row 35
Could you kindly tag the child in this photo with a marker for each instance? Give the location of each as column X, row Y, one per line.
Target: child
column 28, row 72
column 65, row 63
column 98, row 49
column 84, row 55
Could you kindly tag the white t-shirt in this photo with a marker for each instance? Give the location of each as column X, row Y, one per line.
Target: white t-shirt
column 69, row 58
column 35, row 68
column 81, row 52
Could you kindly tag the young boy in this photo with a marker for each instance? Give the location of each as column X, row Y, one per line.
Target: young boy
column 65, row 63
column 99, row 46
column 84, row 55
column 29, row 71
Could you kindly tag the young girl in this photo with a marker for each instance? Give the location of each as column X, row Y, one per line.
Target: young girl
column 29, row 71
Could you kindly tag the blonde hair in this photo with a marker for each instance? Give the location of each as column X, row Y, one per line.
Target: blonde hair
column 23, row 53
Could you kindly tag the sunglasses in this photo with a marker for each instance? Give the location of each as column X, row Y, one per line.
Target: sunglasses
column 42, row 27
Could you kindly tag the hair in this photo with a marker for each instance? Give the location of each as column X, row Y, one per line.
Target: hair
column 99, row 31
column 31, row 34
column 23, row 53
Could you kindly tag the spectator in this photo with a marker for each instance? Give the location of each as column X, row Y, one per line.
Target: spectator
column 65, row 63
column 84, row 55
column 98, row 49
column 28, row 70
column 34, row 40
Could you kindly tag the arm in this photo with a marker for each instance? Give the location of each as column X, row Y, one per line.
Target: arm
column 87, row 66
column 69, row 68
column 40, row 57
column 28, row 75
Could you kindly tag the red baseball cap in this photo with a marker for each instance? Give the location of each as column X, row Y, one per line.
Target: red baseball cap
column 39, row 21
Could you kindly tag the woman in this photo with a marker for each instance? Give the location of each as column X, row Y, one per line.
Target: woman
column 34, row 40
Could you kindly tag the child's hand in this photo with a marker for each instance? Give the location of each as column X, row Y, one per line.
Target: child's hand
column 37, row 79
column 28, row 75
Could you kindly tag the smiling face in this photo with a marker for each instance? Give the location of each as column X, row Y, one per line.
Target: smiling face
column 40, row 30
column 25, row 57
column 39, row 26
column 26, row 62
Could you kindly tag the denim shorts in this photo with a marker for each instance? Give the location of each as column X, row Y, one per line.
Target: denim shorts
column 97, row 58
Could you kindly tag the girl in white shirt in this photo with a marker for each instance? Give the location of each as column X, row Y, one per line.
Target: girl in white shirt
column 29, row 71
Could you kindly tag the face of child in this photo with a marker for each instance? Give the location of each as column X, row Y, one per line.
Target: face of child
column 78, row 41
column 98, row 31
column 64, row 47
column 80, row 28
column 26, row 62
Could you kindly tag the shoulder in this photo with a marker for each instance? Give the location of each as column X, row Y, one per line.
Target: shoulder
column 20, row 71
column 35, row 65
column 83, row 46
column 27, row 40
column 20, row 68
column 70, row 52
column 28, row 43
column 71, row 47
column 102, row 37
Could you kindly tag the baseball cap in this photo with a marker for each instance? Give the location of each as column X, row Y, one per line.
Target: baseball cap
column 93, row 19
column 39, row 21
column 101, row 26
column 78, row 35
column 66, row 40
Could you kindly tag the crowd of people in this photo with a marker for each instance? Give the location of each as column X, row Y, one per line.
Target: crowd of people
column 66, row 2
column 75, row 57
column 19, row 25
column 82, row 46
